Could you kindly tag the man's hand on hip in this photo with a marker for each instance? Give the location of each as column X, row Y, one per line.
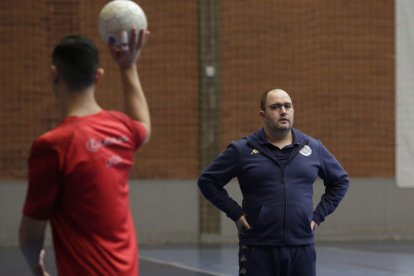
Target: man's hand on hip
column 313, row 225
column 242, row 224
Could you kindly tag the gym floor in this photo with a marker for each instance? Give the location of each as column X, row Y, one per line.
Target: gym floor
column 339, row 259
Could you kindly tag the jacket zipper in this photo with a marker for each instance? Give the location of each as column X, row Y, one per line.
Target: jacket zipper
column 284, row 205
column 284, row 189
column 283, row 169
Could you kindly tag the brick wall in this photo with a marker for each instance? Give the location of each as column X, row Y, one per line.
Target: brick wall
column 336, row 58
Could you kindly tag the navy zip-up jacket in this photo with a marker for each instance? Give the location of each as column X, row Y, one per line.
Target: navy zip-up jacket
column 277, row 200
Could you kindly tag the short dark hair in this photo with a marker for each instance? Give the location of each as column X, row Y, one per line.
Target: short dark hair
column 263, row 99
column 76, row 59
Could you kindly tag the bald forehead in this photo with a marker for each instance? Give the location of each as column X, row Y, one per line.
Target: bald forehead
column 278, row 95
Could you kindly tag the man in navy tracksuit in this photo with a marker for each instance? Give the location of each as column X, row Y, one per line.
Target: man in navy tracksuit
column 276, row 167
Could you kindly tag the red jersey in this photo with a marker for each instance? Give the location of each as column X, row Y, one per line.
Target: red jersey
column 78, row 180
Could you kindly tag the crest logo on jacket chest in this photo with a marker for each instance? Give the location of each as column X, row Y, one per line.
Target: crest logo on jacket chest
column 306, row 150
column 254, row 151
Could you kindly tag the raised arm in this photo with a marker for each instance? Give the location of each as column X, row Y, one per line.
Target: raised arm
column 126, row 57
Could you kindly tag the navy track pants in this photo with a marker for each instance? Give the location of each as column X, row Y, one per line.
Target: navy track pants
column 277, row 261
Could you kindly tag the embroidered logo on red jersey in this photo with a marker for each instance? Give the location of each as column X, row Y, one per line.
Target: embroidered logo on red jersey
column 94, row 145
column 113, row 161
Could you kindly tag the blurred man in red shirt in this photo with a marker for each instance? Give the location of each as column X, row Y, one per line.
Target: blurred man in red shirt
column 78, row 172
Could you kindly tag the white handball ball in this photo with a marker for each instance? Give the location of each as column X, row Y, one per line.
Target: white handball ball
column 117, row 18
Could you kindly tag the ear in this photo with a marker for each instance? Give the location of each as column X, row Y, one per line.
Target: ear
column 262, row 114
column 53, row 74
column 99, row 75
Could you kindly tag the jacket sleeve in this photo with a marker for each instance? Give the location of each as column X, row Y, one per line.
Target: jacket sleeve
column 336, row 182
column 216, row 176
